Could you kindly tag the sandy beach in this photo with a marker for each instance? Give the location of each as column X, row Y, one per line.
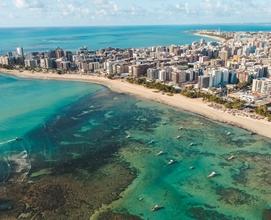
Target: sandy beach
column 261, row 127
column 209, row 36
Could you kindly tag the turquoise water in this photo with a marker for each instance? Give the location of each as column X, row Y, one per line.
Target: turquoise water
column 28, row 103
column 70, row 126
column 242, row 184
column 43, row 39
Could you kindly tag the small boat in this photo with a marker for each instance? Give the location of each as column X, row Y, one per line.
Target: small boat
column 228, row 133
column 180, row 128
column 212, row 174
column 160, row 153
column 178, row 137
column 231, row 157
column 156, row 208
column 140, row 198
column 128, row 136
column 171, row 162
column 192, row 144
column 191, row 168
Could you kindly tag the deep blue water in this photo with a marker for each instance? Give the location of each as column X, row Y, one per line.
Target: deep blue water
column 46, row 38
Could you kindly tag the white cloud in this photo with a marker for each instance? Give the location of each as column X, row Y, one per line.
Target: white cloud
column 31, row 4
column 136, row 11
column 20, row 3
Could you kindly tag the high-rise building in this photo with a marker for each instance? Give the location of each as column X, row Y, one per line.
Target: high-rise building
column 165, row 74
column 20, row 51
column 219, row 77
column 152, row 74
column 176, row 77
column 204, row 82
column 59, row 53
column 68, row 55
column 262, row 86
column 47, row 63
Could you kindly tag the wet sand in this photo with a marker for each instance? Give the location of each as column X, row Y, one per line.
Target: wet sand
column 259, row 126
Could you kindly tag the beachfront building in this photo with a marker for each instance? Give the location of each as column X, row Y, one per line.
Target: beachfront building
column 219, row 77
column 116, row 67
column 152, row 74
column 5, row 60
column 48, row 63
column 31, row 63
column 262, row 86
column 241, row 58
column 90, row 67
column 204, row 82
column 139, row 70
column 63, row 64
column 165, row 74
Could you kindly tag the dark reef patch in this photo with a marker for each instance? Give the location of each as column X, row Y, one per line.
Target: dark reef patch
column 109, row 215
column 234, row 196
column 74, row 159
column 55, row 144
column 266, row 214
column 67, row 196
column 200, row 213
column 48, row 197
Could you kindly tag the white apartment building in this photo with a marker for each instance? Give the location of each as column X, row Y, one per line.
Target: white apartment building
column 219, row 77
column 262, row 86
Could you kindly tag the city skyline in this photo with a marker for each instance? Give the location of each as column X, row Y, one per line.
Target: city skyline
column 21, row 13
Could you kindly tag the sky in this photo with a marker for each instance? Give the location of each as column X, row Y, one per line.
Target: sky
column 131, row 12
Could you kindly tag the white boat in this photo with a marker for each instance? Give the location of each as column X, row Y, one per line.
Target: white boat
column 171, row 162
column 231, row 157
column 229, row 133
column 212, row 174
column 140, row 198
column 128, row 136
column 160, row 153
column 191, row 168
column 178, row 137
column 192, row 144
column 156, row 208
column 180, row 128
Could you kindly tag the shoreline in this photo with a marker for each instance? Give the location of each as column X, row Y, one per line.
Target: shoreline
column 197, row 106
column 220, row 39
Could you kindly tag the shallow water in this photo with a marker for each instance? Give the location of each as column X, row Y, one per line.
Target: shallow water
column 186, row 193
column 69, row 131
column 25, row 104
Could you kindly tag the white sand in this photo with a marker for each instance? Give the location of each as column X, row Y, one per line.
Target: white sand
column 262, row 127
column 221, row 39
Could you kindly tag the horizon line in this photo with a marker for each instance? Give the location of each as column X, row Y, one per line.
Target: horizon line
column 138, row 25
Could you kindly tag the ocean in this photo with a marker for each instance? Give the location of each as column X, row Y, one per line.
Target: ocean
column 72, row 38
column 68, row 147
